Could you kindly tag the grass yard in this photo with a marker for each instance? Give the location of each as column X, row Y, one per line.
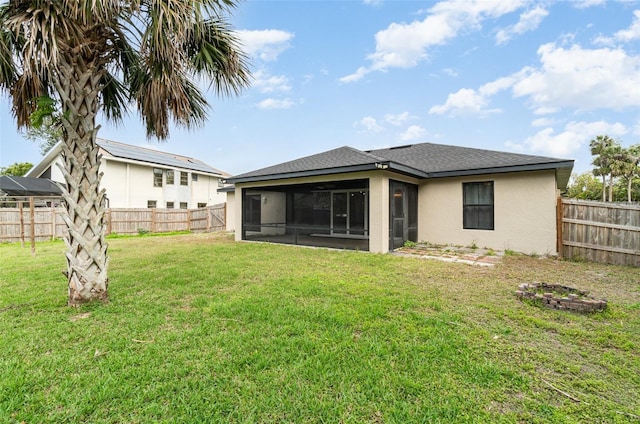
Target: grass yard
column 202, row 329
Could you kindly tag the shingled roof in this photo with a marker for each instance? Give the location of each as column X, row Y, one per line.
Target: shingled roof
column 425, row 160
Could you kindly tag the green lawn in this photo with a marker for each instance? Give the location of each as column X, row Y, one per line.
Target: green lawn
column 202, row 329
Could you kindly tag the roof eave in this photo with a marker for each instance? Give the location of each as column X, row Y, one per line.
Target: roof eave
column 503, row 169
column 302, row 174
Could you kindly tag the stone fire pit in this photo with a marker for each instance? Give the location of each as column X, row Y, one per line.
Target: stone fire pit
column 557, row 296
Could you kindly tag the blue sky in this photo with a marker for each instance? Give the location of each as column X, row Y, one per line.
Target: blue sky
column 540, row 77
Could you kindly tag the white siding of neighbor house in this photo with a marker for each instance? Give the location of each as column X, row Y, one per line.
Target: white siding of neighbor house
column 205, row 190
column 56, row 172
column 524, row 212
column 130, row 185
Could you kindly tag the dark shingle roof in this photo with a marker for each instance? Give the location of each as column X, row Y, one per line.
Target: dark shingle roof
column 28, row 186
column 342, row 159
column 425, row 160
column 126, row 151
column 436, row 159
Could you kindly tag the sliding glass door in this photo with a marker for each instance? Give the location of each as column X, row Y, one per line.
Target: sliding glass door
column 349, row 212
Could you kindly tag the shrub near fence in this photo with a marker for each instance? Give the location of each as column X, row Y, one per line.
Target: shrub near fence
column 47, row 222
column 600, row 232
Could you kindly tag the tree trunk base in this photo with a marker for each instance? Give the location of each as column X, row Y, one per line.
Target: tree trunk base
column 76, row 301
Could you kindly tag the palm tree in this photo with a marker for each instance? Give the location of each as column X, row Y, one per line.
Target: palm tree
column 628, row 165
column 601, row 148
column 100, row 56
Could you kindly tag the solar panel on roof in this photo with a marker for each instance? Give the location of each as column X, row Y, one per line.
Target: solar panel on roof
column 156, row 157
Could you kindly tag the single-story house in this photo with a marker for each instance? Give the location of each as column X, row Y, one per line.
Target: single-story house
column 377, row 200
column 138, row 177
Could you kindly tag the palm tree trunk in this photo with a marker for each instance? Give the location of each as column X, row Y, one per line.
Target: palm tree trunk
column 87, row 262
column 604, row 188
column 629, row 188
column 611, row 188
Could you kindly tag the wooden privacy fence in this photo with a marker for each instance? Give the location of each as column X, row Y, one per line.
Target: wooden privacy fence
column 131, row 221
column 599, row 232
column 39, row 220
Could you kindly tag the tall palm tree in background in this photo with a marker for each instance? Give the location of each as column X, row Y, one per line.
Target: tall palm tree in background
column 101, row 56
column 628, row 166
column 602, row 148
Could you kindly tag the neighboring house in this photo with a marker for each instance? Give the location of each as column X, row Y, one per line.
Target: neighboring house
column 137, row 177
column 377, row 200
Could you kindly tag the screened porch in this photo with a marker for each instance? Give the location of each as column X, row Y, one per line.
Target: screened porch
column 327, row 214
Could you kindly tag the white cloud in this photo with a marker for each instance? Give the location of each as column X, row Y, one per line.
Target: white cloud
column 266, row 44
column 529, row 21
column 584, row 4
column 356, row 76
column 580, row 78
column 404, row 45
column 465, row 101
column 574, row 78
column 631, row 33
column 275, row 104
column 266, row 83
column 414, row 132
column 450, row 72
column 575, row 136
column 370, row 124
column 542, row 122
column 399, row 119
column 625, row 35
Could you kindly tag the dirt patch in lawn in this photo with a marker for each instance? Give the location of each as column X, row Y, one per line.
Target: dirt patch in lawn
column 461, row 254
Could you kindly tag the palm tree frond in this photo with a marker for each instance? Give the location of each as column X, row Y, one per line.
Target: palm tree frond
column 216, row 53
column 114, row 98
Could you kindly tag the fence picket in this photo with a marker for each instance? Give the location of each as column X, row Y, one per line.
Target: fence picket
column 600, row 232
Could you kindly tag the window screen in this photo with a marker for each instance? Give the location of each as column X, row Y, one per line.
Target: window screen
column 478, row 205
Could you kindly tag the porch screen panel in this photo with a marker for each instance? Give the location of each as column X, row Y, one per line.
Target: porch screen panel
column 357, row 212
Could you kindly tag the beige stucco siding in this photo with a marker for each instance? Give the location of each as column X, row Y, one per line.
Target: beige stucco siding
column 524, row 212
column 230, row 219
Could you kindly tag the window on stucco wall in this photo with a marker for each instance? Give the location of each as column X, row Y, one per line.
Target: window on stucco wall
column 478, row 206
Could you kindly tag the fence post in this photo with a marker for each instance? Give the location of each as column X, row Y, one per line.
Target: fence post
column 153, row 220
column 209, row 210
column 21, row 210
column 53, row 221
column 32, row 217
column 559, row 214
column 108, row 221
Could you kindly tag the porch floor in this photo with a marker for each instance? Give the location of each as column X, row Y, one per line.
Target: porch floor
column 333, row 242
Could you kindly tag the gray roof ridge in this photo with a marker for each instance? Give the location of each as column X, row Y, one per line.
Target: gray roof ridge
column 368, row 153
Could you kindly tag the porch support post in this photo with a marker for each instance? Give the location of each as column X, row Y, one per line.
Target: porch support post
column 379, row 213
column 237, row 212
